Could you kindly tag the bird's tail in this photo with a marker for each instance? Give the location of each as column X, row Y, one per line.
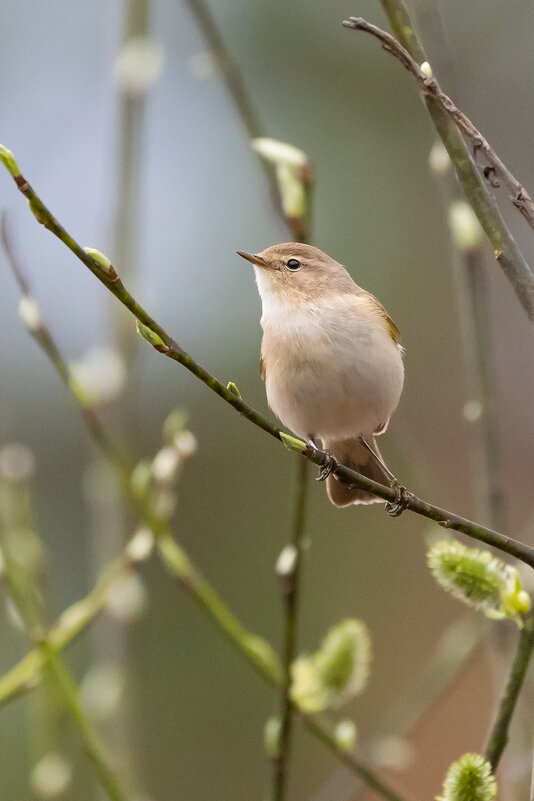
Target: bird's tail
column 353, row 454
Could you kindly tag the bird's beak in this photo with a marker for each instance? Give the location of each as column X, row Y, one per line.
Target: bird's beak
column 254, row 259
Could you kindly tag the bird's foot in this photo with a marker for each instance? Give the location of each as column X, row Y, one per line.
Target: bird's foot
column 330, row 462
column 397, row 507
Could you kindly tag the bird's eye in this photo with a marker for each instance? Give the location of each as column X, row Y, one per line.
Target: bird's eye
column 293, row 264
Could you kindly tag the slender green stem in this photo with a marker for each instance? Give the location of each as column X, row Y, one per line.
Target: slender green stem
column 368, row 776
column 258, row 651
column 498, row 738
column 446, row 117
column 130, row 128
column 24, row 593
column 69, row 694
column 290, row 583
column 235, row 85
column 243, row 102
column 172, row 350
column 229, row 69
column 482, row 371
column 27, row 673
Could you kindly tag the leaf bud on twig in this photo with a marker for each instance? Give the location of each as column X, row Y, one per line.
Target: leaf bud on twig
column 291, row 166
column 103, row 263
column 292, row 443
column 426, row 69
column 465, row 228
column 138, row 65
column 50, row 776
column 345, row 735
column 29, row 313
column 231, row 387
column 8, row 160
column 271, row 737
column 439, row 160
column 151, row 337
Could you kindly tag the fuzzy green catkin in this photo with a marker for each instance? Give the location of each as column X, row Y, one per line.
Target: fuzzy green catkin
column 344, row 657
column 469, row 779
column 336, row 672
column 479, row 579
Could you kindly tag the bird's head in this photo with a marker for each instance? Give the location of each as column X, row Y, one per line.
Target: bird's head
column 295, row 273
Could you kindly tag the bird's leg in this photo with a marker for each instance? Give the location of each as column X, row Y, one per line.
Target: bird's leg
column 396, row 507
column 330, row 461
column 392, row 479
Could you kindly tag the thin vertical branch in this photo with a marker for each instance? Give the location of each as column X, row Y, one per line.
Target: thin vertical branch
column 299, row 229
column 481, row 367
column 470, row 273
column 498, row 738
column 128, row 190
column 290, row 582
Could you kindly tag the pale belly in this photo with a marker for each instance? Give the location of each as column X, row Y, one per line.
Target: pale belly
column 334, row 387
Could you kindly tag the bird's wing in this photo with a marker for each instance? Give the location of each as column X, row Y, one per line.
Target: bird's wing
column 392, row 329
column 262, row 368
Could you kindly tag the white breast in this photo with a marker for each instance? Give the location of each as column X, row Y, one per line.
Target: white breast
column 332, row 370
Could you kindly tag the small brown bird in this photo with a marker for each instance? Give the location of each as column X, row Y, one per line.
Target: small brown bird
column 331, row 359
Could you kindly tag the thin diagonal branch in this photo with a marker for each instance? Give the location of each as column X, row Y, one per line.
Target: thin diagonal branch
column 229, row 70
column 26, row 675
column 498, row 738
column 197, row 585
column 298, row 226
column 431, row 88
column 231, row 75
column 166, row 345
column 24, row 593
column 68, row 692
column 446, row 117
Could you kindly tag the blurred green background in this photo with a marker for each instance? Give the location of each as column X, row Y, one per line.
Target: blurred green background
column 195, row 711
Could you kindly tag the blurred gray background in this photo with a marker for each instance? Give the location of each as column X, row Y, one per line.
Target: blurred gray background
column 197, row 710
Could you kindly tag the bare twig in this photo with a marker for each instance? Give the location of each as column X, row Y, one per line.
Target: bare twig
column 431, row 88
column 289, row 574
column 166, row 345
column 68, row 692
column 499, row 734
column 446, row 117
